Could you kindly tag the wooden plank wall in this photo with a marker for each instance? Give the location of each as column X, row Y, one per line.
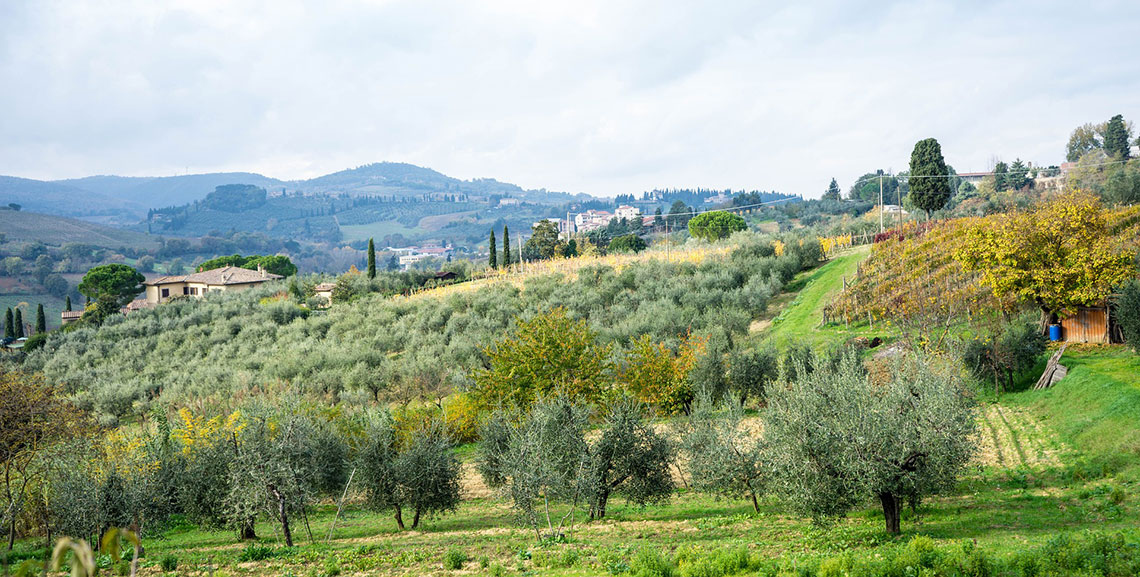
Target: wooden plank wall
column 1089, row 325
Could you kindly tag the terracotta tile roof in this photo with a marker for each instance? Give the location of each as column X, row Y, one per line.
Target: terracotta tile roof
column 324, row 287
column 70, row 314
column 227, row 275
column 138, row 304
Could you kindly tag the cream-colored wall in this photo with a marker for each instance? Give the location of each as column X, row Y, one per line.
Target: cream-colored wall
column 153, row 293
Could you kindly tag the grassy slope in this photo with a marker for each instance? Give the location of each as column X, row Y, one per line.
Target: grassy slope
column 57, row 230
column 799, row 320
column 1096, row 407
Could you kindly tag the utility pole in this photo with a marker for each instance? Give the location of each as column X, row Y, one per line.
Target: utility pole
column 881, row 207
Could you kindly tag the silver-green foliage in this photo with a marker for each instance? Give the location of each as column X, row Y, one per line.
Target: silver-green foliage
column 630, row 458
column 838, row 438
column 544, row 461
column 725, row 457
column 416, row 470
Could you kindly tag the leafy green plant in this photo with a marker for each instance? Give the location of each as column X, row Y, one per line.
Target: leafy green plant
column 168, row 563
column 454, row 559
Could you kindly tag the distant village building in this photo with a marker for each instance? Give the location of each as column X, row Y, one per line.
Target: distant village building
column 508, row 202
column 627, row 212
column 324, row 290
column 227, row 278
column 68, row 317
column 974, row 178
column 592, row 220
column 720, row 198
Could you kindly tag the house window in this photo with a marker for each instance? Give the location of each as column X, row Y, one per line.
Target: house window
column 194, row 291
column 165, row 293
column 185, row 291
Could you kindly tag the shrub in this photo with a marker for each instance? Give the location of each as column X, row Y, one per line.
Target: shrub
column 454, row 559
column 1001, row 357
column 168, row 563
column 650, row 562
column 255, row 552
column 1126, row 309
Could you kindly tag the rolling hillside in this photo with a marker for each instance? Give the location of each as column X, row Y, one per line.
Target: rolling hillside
column 24, row 226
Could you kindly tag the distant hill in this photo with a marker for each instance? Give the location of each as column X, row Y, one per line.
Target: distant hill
column 159, row 191
column 24, row 226
column 123, row 200
column 66, row 200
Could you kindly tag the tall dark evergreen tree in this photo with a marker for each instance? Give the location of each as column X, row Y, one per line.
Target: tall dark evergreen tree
column 371, row 259
column 41, row 321
column 1018, row 175
column 19, row 318
column 493, row 261
column 67, row 307
column 1116, row 138
column 1001, row 177
column 9, row 325
column 506, row 247
column 929, row 181
column 832, row 191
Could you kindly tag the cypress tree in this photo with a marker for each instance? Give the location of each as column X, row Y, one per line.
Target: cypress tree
column 1116, row 138
column 19, row 324
column 371, row 259
column 506, row 247
column 9, row 326
column 493, row 261
column 67, row 307
column 929, row 182
column 41, row 321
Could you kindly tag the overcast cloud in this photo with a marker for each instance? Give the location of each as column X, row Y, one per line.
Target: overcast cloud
column 603, row 96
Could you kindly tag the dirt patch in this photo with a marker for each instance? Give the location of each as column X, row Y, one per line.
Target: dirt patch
column 472, row 485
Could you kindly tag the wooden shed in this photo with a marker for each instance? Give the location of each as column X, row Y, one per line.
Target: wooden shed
column 1089, row 325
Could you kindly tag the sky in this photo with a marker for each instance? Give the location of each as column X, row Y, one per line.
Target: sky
column 598, row 96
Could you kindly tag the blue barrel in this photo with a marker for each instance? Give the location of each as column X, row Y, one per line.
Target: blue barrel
column 1054, row 332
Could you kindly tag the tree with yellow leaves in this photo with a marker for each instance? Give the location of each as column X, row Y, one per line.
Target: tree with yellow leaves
column 1060, row 256
column 549, row 353
column 657, row 376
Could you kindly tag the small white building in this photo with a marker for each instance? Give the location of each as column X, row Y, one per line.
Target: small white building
column 627, row 212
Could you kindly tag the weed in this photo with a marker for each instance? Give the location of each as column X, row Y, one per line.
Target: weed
column 454, row 559
column 168, row 563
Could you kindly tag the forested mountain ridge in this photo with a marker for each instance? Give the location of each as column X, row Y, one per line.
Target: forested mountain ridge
column 127, row 199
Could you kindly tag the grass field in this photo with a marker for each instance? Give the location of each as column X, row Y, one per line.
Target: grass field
column 27, row 304
column 57, row 230
column 1053, row 464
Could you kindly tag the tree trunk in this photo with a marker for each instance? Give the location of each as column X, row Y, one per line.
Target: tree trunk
column 281, row 510
column 12, row 531
column 892, row 511
column 416, row 518
column 755, row 503
column 247, row 532
column 399, row 518
column 598, row 510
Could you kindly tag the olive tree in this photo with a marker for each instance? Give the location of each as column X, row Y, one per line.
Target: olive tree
column 540, row 460
column 278, row 466
column 414, row 470
column 837, row 437
column 630, row 459
column 725, row 455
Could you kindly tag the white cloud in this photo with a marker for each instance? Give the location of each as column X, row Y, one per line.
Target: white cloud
column 594, row 96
